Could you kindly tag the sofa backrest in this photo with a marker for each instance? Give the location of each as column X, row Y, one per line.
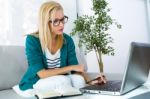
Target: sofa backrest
column 13, row 65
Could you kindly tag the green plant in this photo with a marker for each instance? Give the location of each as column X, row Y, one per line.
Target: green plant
column 93, row 30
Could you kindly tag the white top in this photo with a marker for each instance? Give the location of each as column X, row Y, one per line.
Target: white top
column 53, row 60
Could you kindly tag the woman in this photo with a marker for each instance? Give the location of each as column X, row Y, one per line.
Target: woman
column 51, row 54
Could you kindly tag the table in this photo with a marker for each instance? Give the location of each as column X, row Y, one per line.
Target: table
column 141, row 90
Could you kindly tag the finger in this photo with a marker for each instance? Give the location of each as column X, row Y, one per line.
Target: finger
column 94, row 82
column 101, row 75
column 103, row 79
column 100, row 82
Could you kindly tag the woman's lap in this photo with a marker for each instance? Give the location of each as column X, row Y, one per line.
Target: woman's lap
column 52, row 83
column 77, row 81
column 56, row 82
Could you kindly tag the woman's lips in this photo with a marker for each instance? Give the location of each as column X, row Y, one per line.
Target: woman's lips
column 60, row 30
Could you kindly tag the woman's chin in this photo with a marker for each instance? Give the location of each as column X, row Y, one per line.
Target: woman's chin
column 59, row 33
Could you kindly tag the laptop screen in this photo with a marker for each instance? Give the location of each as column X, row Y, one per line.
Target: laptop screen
column 136, row 73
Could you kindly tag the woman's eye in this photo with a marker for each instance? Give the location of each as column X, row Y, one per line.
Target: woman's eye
column 55, row 21
column 62, row 19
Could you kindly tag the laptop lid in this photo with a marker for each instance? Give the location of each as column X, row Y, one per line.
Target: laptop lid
column 136, row 72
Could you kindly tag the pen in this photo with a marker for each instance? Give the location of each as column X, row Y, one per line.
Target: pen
column 95, row 79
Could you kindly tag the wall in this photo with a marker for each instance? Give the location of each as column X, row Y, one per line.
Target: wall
column 131, row 14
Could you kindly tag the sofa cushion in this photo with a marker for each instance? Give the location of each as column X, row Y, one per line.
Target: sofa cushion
column 13, row 65
column 10, row 94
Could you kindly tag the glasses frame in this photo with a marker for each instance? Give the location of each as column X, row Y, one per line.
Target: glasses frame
column 56, row 22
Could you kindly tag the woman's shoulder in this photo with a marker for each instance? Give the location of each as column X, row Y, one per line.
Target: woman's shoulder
column 34, row 35
column 32, row 39
column 67, row 37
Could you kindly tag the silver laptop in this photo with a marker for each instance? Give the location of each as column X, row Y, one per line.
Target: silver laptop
column 136, row 73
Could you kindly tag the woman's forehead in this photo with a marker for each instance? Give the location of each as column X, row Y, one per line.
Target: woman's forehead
column 58, row 14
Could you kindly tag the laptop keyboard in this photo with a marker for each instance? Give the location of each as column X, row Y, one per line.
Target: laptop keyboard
column 109, row 86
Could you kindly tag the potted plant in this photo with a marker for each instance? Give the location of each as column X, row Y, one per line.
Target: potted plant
column 93, row 30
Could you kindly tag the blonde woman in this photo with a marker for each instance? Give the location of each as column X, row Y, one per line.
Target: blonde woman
column 51, row 55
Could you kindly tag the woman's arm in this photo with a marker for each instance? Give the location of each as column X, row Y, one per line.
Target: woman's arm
column 100, row 79
column 84, row 75
column 58, row 71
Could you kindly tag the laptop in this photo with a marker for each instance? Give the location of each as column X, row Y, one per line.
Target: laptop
column 135, row 75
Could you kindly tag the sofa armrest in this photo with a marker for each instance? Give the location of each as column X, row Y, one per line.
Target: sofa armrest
column 13, row 65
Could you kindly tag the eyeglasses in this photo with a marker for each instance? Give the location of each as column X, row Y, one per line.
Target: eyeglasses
column 56, row 22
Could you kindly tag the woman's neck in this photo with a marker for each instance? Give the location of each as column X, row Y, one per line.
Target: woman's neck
column 53, row 48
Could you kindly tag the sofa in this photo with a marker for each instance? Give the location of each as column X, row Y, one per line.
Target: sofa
column 13, row 65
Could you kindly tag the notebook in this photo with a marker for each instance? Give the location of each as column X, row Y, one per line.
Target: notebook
column 136, row 73
column 59, row 92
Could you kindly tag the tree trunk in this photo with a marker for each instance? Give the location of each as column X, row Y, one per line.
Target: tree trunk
column 99, row 59
column 100, row 62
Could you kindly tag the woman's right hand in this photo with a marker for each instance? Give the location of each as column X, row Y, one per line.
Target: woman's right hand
column 78, row 68
column 100, row 79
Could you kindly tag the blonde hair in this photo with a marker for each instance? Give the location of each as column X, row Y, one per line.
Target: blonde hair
column 47, row 11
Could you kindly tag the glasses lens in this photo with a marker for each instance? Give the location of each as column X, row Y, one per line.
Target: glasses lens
column 65, row 19
column 56, row 22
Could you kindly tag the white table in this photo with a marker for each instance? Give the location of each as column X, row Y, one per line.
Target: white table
column 143, row 89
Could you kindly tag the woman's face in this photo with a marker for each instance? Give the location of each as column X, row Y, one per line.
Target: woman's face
column 57, row 23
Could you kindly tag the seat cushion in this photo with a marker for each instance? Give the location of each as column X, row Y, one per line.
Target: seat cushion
column 10, row 94
column 13, row 65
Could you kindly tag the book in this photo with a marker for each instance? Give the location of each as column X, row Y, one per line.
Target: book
column 59, row 92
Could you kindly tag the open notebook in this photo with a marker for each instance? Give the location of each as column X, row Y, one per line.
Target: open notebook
column 136, row 73
column 58, row 92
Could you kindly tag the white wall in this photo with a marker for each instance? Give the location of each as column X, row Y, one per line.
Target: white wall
column 131, row 14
